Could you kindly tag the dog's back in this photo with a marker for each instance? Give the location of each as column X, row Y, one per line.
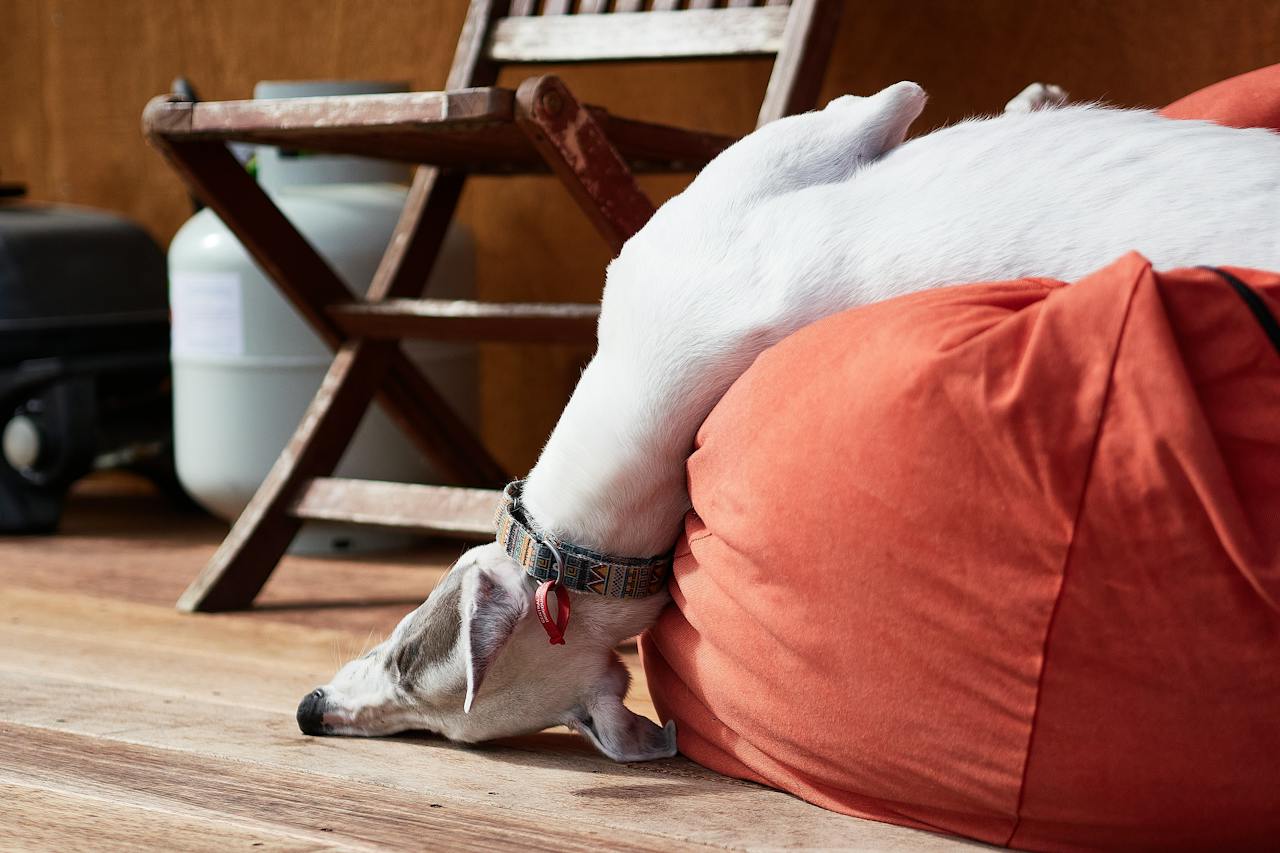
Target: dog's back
column 807, row 217
column 1054, row 193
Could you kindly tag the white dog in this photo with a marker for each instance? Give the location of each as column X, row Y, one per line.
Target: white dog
column 805, row 217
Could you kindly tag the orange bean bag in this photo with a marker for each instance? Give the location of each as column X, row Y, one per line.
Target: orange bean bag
column 1005, row 564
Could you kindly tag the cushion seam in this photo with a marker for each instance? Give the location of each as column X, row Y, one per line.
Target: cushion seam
column 1070, row 551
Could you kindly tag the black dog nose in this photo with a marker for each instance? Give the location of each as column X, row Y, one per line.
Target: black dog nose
column 311, row 713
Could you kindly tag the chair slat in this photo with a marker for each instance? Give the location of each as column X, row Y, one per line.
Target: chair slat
column 472, row 130
column 802, row 60
column 639, row 35
column 462, row 320
column 481, row 130
column 447, row 511
column 318, row 113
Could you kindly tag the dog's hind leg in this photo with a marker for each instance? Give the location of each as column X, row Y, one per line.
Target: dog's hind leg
column 820, row 147
column 1037, row 96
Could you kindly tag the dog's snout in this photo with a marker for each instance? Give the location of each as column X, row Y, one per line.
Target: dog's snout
column 311, row 713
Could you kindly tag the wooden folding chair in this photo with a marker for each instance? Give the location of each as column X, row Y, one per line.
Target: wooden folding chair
column 471, row 127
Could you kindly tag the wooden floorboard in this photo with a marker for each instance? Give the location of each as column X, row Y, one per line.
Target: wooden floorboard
column 537, row 779
column 127, row 725
column 121, row 540
column 49, row 820
column 219, row 658
column 258, row 797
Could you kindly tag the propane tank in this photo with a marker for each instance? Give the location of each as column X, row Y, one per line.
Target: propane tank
column 245, row 365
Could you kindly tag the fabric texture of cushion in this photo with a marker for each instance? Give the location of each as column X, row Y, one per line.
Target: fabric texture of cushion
column 1008, row 567
column 1247, row 100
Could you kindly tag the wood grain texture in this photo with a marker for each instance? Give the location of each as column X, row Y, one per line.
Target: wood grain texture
column 267, row 666
column 74, row 80
column 240, row 567
column 429, row 110
column 803, row 56
column 576, row 789
column 425, row 125
column 145, row 550
column 321, row 811
column 43, row 818
column 455, row 512
column 478, row 137
column 586, row 160
column 360, row 371
column 639, row 35
column 127, row 725
column 444, row 320
column 310, row 284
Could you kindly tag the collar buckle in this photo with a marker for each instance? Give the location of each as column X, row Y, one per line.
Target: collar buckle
column 570, row 566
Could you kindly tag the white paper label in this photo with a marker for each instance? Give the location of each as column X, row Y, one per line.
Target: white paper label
column 207, row 314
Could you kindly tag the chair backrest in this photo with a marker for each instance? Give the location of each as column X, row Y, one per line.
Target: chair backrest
column 798, row 33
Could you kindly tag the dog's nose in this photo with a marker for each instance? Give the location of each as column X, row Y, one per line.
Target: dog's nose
column 311, row 712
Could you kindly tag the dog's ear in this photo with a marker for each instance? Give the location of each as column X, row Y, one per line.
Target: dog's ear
column 494, row 600
column 616, row 731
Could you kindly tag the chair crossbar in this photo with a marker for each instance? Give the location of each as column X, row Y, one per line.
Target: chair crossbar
column 682, row 34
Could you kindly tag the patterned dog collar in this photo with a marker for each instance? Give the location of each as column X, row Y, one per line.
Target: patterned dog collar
column 579, row 569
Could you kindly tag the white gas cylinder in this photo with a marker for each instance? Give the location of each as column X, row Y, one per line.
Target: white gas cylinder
column 245, row 365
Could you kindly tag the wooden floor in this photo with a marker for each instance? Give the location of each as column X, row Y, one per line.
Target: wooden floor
column 126, row 725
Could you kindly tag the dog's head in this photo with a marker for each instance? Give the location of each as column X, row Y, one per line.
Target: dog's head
column 473, row 664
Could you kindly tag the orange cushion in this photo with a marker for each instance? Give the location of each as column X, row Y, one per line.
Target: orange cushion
column 1006, row 564
column 1247, row 100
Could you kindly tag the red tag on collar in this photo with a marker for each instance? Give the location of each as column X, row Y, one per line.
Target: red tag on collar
column 555, row 628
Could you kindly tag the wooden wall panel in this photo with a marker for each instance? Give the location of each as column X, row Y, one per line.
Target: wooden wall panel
column 74, row 75
column 22, row 113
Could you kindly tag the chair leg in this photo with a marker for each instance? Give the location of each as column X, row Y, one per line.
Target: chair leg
column 403, row 271
column 246, row 558
column 415, row 243
column 578, row 150
column 306, row 280
column 311, row 285
column 797, row 74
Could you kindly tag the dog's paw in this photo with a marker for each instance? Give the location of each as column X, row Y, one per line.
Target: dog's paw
column 1037, row 96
